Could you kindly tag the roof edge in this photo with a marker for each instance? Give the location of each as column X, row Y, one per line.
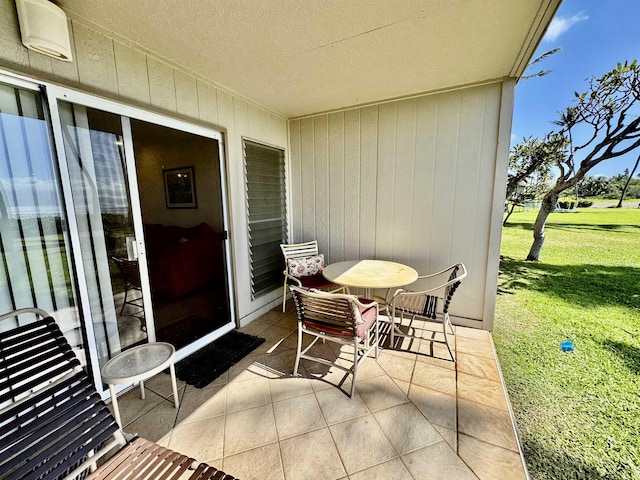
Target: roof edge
column 546, row 12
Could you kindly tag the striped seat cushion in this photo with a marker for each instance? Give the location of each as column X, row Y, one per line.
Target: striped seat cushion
column 368, row 315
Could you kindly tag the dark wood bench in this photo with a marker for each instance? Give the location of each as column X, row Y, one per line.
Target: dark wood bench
column 54, row 425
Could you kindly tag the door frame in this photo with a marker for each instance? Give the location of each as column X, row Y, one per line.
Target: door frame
column 55, row 93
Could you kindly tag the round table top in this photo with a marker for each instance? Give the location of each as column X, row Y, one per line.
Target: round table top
column 370, row 274
column 138, row 363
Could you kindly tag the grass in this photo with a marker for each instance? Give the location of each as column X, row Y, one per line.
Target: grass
column 578, row 413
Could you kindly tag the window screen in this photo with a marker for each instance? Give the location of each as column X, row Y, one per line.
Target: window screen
column 267, row 214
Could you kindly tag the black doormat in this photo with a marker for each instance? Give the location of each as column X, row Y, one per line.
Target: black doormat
column 204, row 366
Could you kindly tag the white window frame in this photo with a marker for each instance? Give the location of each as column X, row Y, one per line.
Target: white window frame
column 286, row 190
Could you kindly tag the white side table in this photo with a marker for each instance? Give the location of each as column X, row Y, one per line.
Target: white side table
column 136, row 365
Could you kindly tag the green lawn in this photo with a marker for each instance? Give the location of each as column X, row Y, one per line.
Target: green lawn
column 578, row 413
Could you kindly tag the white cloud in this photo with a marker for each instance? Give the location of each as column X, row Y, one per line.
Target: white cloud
column 560, row 25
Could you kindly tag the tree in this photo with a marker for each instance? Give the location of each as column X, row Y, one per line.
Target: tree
column 626, row 184
column 593, row 186
column 540, row 73
column 604, row 117
column 529, row 162
column 529, row 189
column 530, row 169
column 533, row 155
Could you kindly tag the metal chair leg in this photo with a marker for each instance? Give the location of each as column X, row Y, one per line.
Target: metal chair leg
column 297, row 364
column 124, row 302
column 284, row 297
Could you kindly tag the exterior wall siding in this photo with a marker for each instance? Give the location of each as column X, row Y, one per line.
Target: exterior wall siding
column 415, row 180
column 410, row 181
column 108, row 67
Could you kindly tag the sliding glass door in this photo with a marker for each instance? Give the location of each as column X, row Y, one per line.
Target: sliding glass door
column 113, row 220
column 181, row 202
column 148, row 204
column 97, row 169
column 35, row 247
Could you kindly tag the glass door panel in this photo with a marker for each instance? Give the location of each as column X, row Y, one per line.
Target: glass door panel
column 95, row 156
column 34, row 241
column 181, row 199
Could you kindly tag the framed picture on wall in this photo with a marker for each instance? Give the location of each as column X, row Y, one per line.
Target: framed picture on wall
column 180, row 187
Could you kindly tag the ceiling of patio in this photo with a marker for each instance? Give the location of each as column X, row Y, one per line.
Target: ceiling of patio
column 298, row 57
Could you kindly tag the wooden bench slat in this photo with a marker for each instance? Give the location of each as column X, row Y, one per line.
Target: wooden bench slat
column 143, row 459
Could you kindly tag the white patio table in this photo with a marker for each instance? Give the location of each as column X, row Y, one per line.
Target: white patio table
column 370, row 274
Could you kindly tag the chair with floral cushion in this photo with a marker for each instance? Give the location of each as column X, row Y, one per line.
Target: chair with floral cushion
column 339, row 318
column 303, row 267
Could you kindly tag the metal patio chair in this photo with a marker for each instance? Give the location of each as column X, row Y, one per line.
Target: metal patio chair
column 303, row 266
column 338, row 318
column 430, row 305
column 130, row 274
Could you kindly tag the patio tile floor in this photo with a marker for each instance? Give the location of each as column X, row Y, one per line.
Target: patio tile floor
column 415, row 415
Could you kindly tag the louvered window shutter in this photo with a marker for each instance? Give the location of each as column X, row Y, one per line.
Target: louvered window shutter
column 266, row 213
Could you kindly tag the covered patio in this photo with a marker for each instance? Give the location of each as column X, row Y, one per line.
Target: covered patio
column 415, row 415
column 391, row 123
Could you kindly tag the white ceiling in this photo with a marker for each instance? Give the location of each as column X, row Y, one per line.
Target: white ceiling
column 298, row 57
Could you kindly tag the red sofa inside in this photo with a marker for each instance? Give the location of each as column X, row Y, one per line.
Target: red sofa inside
column 182, row 260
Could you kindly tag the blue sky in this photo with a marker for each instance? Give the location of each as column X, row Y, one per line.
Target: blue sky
column 594, row 36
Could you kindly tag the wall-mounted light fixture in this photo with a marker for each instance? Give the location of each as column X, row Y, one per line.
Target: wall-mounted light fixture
column 43, row 27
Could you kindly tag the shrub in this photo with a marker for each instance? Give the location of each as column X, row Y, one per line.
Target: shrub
column 567, row 204
column 584, row 203
column 633, row 191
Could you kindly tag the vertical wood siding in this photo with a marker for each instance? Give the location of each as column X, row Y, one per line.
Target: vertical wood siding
column 409, row 181
column 110, row 68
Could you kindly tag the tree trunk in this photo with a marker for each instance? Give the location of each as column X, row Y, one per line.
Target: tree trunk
column 510, row 209
column 548, row 205
column 626, row 185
